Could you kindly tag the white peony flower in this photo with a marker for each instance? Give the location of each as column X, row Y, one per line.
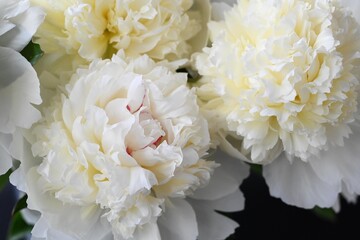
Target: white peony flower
column 19, row 85
column 283, row 76
column 77, row 32
column 119, row 154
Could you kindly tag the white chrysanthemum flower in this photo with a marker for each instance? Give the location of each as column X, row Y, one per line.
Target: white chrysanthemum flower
column 121, row 149
column 282, row 76
column 19, row 85
column 76, row 32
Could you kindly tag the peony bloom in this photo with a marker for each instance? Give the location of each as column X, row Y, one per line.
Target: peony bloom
column 76, row 32
column 19, row 85
column 119, row 154
column 282, row 78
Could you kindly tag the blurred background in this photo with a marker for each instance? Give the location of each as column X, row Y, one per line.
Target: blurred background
column 263, row 216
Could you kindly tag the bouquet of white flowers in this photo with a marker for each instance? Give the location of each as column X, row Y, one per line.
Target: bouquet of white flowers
column 139, row 119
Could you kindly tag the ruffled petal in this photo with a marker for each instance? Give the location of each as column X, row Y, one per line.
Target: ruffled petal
column 178, row 221
column 74, row 222
column 297, row 184
column 19, row 89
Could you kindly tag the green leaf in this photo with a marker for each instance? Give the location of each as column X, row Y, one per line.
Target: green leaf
column 257, row 169
column 327, row 214
column 32, row 52
column 18, row 227
column 21, row 204
column 4, row 180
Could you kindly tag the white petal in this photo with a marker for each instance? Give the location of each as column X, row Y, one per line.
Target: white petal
column 341, row 163
column 12, row 8
column 218, row 10
column 212, row 225
column 30, row 216
column 231, row 203
column 26, row 26
column 19, row 88
column 228, row 2
column 337, row 207
column 136, row 94
column 350, row 197
column 354, row 6
column 147, row 230
column 5, row 26
column 297, row 184
column 74, row 222
column 178, row 221
column 16, row 148
column 226, row 146
column 226, row 178
column 18, row 177
column 42, row 230
column 5, row 158
column 200, row 40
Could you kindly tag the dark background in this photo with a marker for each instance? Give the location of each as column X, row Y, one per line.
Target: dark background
column 7, row 198
column 263, row 216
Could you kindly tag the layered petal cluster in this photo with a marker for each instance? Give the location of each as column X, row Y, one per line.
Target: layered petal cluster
column 283, row 76
column 119, row 151
column 19, row 85
column 80, row 31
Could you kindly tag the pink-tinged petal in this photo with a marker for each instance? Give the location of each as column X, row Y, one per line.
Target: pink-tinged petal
column 136, row 94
